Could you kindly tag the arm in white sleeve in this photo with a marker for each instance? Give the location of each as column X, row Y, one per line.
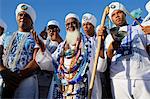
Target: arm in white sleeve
column 1, row 39
column 102, row 65
column 44, row 60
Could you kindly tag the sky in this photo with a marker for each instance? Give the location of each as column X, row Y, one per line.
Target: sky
column 57, row 9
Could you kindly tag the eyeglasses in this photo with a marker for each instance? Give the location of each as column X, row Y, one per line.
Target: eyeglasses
column 52, row 29
column 74, row 23
column 24, row 14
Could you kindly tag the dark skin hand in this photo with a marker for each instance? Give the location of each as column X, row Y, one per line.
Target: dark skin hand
column 102, row 33
column 29, row 69
column 38, row 41
column 112, row 47
column 43, row 34
column 146, row 29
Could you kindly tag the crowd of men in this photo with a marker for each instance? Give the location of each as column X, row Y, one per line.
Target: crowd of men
column 123, row 67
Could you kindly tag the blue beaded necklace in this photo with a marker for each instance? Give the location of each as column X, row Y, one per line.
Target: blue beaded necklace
column 79, row 67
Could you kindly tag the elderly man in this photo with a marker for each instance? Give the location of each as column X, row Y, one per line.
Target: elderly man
column 71, row 62
column 18, row 65
column 89, row 25
column 129, row 69
column 3, row 28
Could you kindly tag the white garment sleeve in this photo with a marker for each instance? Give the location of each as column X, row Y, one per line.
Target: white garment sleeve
column 102, row 65
column 44, row 60
column 1, row 39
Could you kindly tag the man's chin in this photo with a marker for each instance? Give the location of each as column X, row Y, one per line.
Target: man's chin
column 72, row 37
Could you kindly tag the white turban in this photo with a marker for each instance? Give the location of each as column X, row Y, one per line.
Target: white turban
column 28, row 9
column 115, row 6
column 72, row 15
column 53, row 22
column 3, row 24
column 89, row 18
column 147, row 6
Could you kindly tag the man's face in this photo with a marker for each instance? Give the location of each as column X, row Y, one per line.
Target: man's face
column 118, row 18
column 24, row 20
column 88, row 29
column 72, row 24
column 1, row 30
column 53, row 32
column 73, row 30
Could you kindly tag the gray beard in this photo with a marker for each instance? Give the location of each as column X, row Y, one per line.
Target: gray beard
column 71, row 37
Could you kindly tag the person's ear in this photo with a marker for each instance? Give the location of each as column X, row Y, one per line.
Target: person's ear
column 79, row 24
column 58, row 30
column 2, row 29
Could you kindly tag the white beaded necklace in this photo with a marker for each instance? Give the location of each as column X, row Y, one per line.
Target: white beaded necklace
column 18, row 52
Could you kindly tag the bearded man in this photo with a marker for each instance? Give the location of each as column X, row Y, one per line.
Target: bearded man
column 71, row 63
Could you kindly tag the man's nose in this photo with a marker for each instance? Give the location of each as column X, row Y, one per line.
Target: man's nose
column 85, row 26
column 23, row 16
column 117, row 15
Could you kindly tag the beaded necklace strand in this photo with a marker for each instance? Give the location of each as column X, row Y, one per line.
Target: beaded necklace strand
column 18, row 52
column 77, row 67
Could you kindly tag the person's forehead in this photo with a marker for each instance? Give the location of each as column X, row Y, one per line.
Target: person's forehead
column 72, row 19
column 116, row 11
column 87, row 23
column 23, row 12
column 52, row 26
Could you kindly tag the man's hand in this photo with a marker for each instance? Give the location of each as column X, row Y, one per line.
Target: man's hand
column 38, row 41
column 11, row 79
column 112, row 47
column 102, row 32
column 30, row 69
column 146, row 29
column 43, row 34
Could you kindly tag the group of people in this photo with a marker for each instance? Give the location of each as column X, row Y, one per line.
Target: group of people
column 124, row 54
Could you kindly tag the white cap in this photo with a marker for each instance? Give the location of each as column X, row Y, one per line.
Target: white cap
column 115, row 6
column 72, row 15
column 147, row 6
column 3, row 24
column 28, row 9
column 87, row 17
column 53, row 22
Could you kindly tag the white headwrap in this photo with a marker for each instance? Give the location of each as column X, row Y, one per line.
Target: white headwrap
column 72, row 15
column 28, row 9
column 147, row 6
column 53, row 22
column 3, row 24
column 89, row 18
column 115, row 6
